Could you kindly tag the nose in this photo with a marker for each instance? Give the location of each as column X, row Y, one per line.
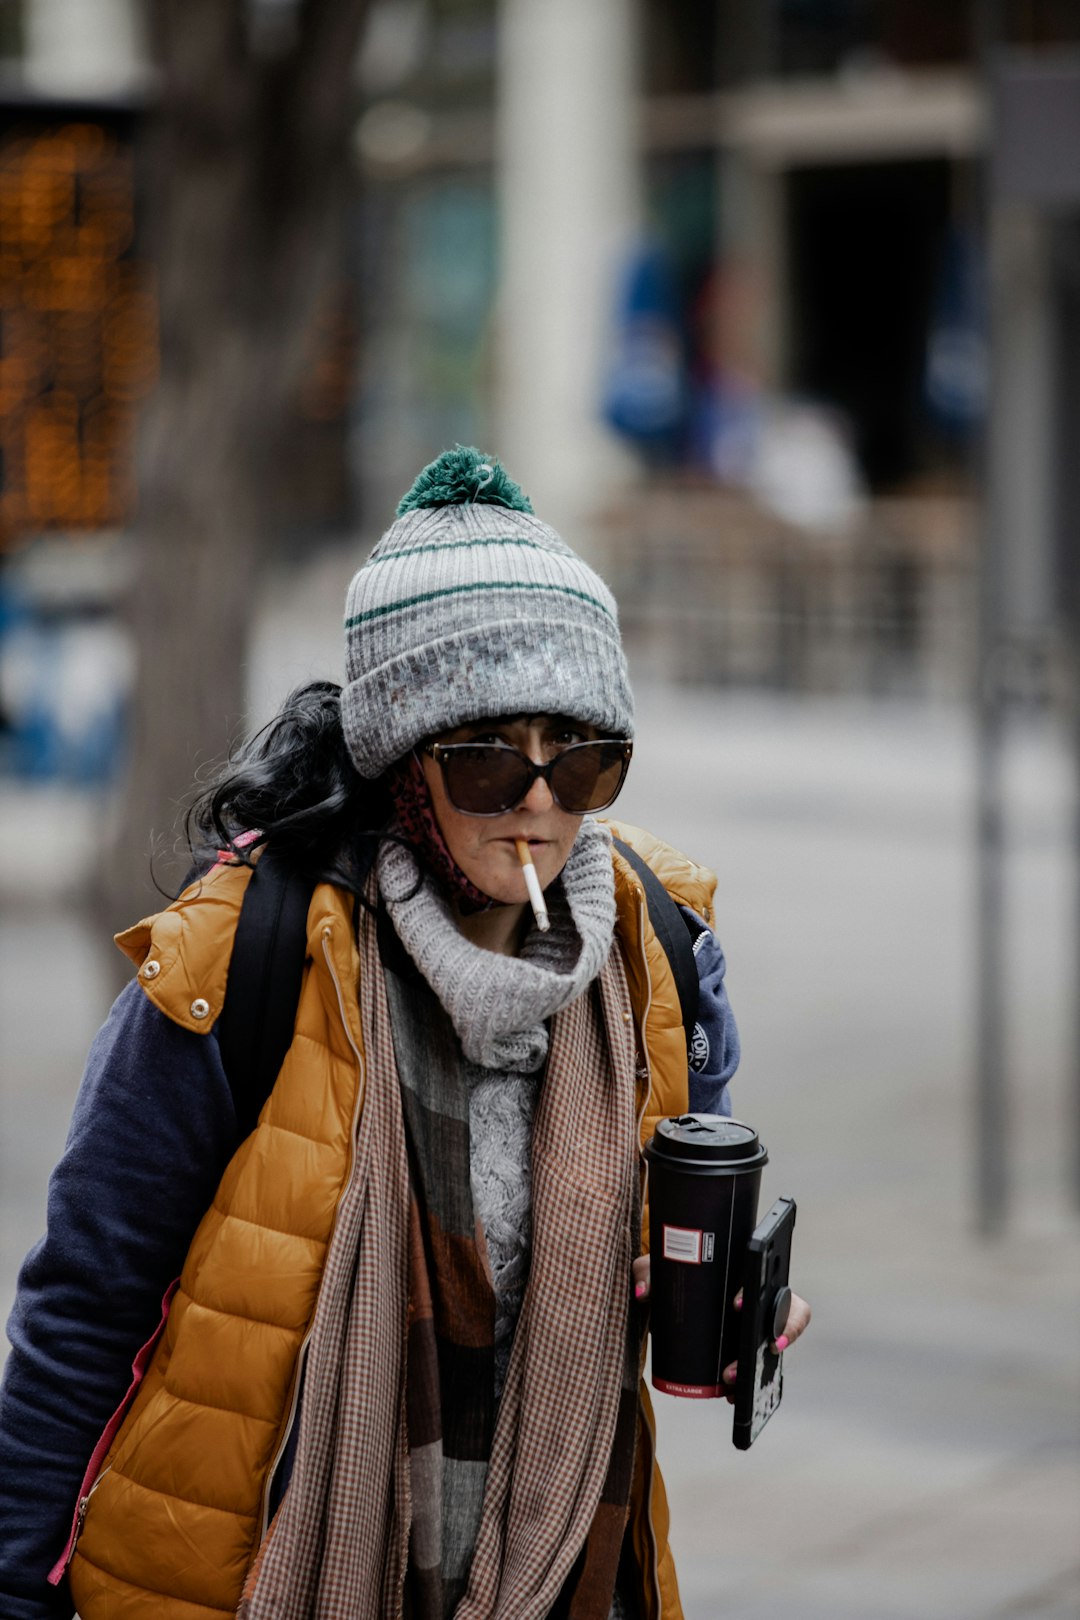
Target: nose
column 539, row 798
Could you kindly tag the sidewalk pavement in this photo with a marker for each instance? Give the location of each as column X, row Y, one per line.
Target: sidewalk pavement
column 925, row 1464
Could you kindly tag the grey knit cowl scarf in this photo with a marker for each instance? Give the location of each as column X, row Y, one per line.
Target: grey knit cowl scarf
column 498, row 1004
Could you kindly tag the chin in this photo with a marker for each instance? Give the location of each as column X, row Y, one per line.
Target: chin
column 501, row 879
column 501, row 895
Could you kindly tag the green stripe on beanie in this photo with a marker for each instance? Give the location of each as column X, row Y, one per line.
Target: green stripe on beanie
column 445, row 545
column 463, row 590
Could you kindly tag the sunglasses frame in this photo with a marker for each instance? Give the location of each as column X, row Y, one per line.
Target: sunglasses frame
column 439, row 751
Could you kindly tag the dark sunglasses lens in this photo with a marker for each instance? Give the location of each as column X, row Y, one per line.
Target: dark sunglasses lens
column 484, row 780
column 588, row 776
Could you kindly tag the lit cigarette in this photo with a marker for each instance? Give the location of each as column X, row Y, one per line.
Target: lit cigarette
column 532, row 883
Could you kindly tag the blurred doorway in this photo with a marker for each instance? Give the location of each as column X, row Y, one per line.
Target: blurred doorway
column 867, row 251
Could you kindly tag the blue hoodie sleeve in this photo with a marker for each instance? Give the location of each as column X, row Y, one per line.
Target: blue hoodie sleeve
column 714, row 1050
column 152, row 1131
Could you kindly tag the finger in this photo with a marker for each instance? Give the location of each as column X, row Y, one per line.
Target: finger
column 738, row 1300
column 642, row 1271
column 730, row 1374
column 796, row 1325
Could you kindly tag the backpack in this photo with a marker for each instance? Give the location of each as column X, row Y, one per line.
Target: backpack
column 266, row 970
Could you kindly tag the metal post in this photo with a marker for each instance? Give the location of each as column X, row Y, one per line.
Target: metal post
column 1014, row 596
column 991, row 1101
column 1031, row 484
column 1067, row 404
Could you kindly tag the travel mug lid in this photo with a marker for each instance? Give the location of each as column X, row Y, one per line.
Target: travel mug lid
column 707, row 1139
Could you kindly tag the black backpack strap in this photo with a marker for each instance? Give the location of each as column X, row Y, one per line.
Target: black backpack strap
column 674, row 931
column 255, row 1028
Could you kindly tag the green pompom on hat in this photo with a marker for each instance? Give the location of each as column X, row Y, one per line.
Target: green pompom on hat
column 470, row 608
column 461, row 476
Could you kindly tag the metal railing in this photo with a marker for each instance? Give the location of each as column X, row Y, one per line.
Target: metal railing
column 713, row 589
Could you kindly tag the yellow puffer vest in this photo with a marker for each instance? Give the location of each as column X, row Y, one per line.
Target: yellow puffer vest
column 177, row 1513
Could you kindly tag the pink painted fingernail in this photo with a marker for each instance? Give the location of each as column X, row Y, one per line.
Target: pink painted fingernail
column 730, row 1375
column 782, row 1342
column 640, row 1290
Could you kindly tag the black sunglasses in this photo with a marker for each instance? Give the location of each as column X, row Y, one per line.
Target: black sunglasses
column 487, row 779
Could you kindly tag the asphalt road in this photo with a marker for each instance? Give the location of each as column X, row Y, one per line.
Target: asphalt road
column 926, row 1460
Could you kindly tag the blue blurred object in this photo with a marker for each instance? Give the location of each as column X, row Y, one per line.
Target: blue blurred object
column 646, row 396
column 726, row 427
column 955, row 384
column 65, row 673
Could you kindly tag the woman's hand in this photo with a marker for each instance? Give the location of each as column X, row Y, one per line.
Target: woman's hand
column 797, row 1323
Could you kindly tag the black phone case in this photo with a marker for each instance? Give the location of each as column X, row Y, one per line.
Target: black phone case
column 760, row 1382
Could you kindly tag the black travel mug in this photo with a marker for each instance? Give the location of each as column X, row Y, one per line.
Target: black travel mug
column 704, row 1177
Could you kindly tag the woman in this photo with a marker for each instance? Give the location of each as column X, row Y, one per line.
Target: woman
column 400, row 1371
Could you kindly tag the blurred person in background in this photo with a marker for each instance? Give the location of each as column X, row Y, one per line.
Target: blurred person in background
column 401, row 1368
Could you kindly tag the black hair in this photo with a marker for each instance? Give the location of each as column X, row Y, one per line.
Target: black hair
column 294, row 785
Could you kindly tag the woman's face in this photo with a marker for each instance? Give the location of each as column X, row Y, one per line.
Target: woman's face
column 484, row 846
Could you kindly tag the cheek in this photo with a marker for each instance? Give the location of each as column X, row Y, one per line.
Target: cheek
column 459, row 832
column 564, row 843
column 446, row 818
column 493, row 867
column 462, row 835
column 462, row 841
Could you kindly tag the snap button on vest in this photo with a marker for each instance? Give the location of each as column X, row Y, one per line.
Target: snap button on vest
column 199, row 1007
column 150, row 970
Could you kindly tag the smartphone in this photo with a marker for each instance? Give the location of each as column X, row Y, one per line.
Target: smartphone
column 766, row 1303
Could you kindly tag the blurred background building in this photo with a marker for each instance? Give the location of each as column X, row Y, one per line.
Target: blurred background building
column 733, row 309
column 774, row 307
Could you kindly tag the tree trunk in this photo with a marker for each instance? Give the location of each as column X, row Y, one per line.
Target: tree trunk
column 246, row 179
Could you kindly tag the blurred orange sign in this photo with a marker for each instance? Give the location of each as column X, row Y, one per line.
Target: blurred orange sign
column 78, row 328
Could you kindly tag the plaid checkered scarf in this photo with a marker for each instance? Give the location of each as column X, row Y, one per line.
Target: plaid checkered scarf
column 409, row 1493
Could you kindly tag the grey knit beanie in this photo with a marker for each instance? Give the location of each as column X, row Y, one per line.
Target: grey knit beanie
column 470, row 607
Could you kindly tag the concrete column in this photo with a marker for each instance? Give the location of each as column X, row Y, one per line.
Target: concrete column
column 83, row 47
column 567, row 166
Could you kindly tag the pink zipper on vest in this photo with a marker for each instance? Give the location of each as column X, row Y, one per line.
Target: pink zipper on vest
column 93, row 1467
